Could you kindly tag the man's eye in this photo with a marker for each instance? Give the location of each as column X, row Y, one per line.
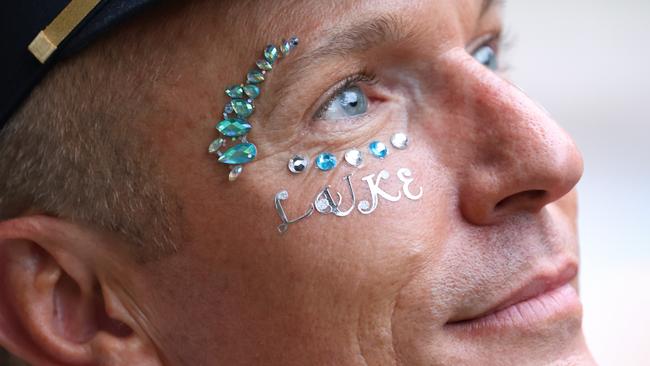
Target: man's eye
column 350, row 101
column 487, row 56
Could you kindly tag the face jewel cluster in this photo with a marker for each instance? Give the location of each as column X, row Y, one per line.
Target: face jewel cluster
column 235, row 125
column 354, row 157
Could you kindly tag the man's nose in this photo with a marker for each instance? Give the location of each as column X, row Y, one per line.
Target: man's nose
column 517, row 158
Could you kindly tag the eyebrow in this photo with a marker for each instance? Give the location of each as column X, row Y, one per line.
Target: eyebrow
column 344, row 41
column 356, row 38
column 361, row 37
column 370, row 33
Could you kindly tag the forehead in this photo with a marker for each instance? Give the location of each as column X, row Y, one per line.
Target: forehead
column 226, row 34
column 257, row 22
column 323, row 18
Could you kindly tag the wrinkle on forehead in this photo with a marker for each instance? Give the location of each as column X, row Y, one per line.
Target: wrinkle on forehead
column 342, row 30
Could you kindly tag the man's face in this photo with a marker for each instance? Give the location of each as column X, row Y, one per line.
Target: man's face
column 475, row 272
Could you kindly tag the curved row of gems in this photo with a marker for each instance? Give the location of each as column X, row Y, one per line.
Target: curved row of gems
column 235, row 125
column 327, row 161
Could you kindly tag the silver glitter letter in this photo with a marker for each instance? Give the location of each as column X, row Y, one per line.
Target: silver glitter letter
column 325, row 203
column 364, row 206
column 284, row 226
column 404, row 175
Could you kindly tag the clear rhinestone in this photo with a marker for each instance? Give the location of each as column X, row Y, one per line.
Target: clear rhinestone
column 298, row 164
column 227, row 109
column 283, row 195
column 364, row 205
column 354, row 157
column 215, row 145
column 322, row 205
column 399, row 141
column 235, row 172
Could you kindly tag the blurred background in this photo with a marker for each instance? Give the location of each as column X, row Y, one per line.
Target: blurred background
column 587, row 62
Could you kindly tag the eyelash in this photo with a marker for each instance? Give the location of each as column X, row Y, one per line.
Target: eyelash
column 500, row 41
column 364, row 77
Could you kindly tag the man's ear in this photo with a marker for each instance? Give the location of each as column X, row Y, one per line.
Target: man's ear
column 54, row 307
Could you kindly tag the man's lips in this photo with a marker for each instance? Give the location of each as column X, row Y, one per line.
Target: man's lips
column 544, row 296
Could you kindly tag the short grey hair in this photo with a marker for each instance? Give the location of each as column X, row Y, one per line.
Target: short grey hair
column 77, row 149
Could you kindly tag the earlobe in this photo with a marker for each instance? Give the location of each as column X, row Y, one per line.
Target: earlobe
column 54, row 308
column 34, row 294
column 13, row 334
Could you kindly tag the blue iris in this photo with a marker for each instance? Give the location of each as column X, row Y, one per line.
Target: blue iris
column 487, row 56
column 350, row 102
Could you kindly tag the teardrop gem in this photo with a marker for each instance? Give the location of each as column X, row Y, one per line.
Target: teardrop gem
column 271, row 53
column 252, row 91
column 285, row 48
column 242, row 107
column 264, row 65
column 239, row 154
column 235, row 172
column 235, row 91
column 234, row 127
column 288, row 45
column 255, row 76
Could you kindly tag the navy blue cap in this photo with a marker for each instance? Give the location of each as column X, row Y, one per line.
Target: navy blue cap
column 22, row 20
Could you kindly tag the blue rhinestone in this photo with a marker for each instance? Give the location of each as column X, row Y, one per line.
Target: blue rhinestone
column 242, row 107
column 255, row 77
column 264, row 65
column 378, row 149
column 288, row 45
column 235, row 91
column 239, row 154
column 252, row 91
column 326, row 161
column 271, row 53
column 234, row 127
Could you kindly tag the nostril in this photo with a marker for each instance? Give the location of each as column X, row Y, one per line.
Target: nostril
column 530, row 198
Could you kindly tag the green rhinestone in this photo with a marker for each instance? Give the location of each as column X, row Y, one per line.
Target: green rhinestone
column 255, row 76
column 288, row 45
column 242, row 107
column 264, row 65
column 234, row 127
column 239, row 154
column 285, row 47
column 235, row 91
column 215, row 145
column 271, row 53
column 252, row 91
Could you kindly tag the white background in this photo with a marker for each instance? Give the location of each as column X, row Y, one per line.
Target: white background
column 588, row 63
